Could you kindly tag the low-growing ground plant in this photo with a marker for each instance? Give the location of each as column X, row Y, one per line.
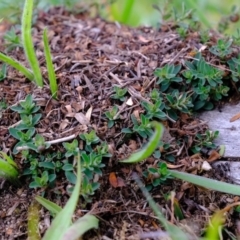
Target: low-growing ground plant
column 62, row 226
column 161, row 174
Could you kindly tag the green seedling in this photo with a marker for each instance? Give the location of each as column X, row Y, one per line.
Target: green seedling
column 205, row 140
column 3, row 105
column 88, row 189
column 111, row 115
column 119, row 93
column 167, row 75
column 201, row 72
column 50, row 67
column 62, row 227
column 182, row 31
column 40, row 143
column 204, row 36
column 26, row 107
column 103, row 150
column 89, row 138
column 25, row 139
column 180, row 101
column 144, row 128
column 8, row 168
column 68, row 169
column 12, row 40
column 222, row 49
column 28, row 121
column 158, row 175
column 28, row 42
column 154, row 110
column 91, row 164
column 154, row 95
column 71, row 148
column 43, row 181
column 3, row 72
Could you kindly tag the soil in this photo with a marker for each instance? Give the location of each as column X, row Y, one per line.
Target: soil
column 90, row 57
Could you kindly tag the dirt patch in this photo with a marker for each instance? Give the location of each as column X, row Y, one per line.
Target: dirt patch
column 91, row 56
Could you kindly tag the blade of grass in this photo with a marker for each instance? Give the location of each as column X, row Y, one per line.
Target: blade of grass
column 17, row 65
column 175, row 232
column 50, row 206
column 84, row 224
column 28, row 43
column 207, row 183
column 149, row 148
column 50, row 68
column 63, row 219
column 8, row 168
column 128, row 6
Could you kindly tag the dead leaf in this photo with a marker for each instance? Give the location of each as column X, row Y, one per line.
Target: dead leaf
column 235, row 117
column 89, row 113
column 81, row 118
column 120, row 182
column 171, row 166
column 129, row 102
column 113, row 179
column 214, row 155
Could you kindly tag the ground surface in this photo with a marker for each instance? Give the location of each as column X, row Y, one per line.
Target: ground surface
column 92, row 56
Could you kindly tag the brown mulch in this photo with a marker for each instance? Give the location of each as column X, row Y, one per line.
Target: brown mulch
column 91, row 56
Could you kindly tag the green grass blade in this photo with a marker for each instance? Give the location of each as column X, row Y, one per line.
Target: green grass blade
column 174, row 232
column 63, row 219
column 17, row 65
column 84, row 224
column 50, row 68
column 207, row 183
column 50, row 206
column 8, row 168
column 149, row 148
column 127, row 11
column 33, row 222
column 28, row 42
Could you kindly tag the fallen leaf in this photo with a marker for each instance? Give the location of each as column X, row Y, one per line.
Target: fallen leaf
column 235, row 117
column 214, row 155
column 113, row 179
column 171, row 166
column 120, row 182
column 81, row 118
